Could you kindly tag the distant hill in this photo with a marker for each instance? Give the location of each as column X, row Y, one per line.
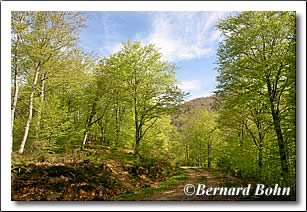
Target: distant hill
column 198, row 103
column 201, row 103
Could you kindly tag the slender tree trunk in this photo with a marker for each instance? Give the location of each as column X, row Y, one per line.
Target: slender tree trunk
column 186, row 154
column 16, row 81
column 261, row 138
column 281, row 143
column 117, row 126
column 260, row 151
column 103, row 137
column 137, row 128
column 27, row 127
column 136, row 117
column 241, row 135
column 260, row 158
column 15, row 98
column 86, row 131
column 136, row 147
column 102, row 131
column 137, row 139
column 84, row 138
column 88, row 123
column 41, row 100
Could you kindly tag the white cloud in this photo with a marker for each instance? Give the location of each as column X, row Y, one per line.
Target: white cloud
column 184, row 35
column 190, row 85
column 178, row 35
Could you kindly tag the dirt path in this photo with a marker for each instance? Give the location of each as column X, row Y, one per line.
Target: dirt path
column 197, row 176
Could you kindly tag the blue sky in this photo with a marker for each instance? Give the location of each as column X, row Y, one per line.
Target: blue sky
column 188, row 39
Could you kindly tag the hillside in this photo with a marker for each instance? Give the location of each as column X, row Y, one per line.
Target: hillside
column 201, row 103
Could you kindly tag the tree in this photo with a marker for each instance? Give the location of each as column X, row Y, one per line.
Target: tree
column 145, row 82
column 198, row 135
column 17, row 57
column 46, row 37
column 257, row 58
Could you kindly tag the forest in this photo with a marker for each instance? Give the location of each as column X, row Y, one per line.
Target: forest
column 86, row 127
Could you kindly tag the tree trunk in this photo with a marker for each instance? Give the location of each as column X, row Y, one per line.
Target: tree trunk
column 88, row 124
column 16, row 81
column 136, row 147
column 186, row 154
column 117, row 126
column 281, row 143
column 260, row 158
column 86, row 131
column 15, row 98
column 137, row 139
column 84, row 138
column 241, row 135
column 137, row 128
column 260, row 151
column 41, row 100
column 27, row 127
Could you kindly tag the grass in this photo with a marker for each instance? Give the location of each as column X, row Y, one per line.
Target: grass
column 144, row 193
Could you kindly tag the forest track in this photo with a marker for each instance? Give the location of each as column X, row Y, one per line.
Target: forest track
column 195, row 176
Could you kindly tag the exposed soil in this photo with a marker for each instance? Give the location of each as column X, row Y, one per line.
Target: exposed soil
column 82, row 180
column 196, row 176
column 90, row 181
column 212, row 178
column 77, row 181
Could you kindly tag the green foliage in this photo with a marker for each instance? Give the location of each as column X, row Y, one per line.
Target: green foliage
column 256, row 81
column 141, row 84
column 199, row 137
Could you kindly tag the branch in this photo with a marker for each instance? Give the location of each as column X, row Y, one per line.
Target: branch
column 104, row 113
column 149, row 127
column 251, row 133
column 97, row 120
